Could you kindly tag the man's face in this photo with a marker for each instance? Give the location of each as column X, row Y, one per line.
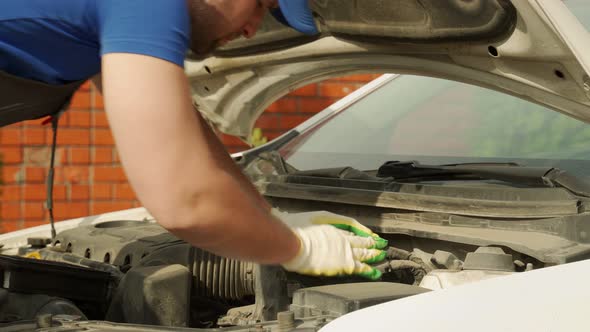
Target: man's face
column 217, row 22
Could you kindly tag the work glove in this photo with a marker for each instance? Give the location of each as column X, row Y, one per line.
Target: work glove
column 333, row 245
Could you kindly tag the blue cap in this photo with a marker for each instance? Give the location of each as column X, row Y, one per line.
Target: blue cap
column 297, row 15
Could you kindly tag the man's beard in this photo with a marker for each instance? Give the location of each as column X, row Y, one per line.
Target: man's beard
column 206, row 23
column 201, row 49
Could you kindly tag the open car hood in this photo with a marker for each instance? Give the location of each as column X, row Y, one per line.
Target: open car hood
column 533, row 49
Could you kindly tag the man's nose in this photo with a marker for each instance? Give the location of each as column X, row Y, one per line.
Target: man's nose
column 249, row 30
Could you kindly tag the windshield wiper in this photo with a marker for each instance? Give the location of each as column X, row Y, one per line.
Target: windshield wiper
column 506, row 172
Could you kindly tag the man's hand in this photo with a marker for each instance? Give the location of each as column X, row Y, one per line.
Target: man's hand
column 333, row 245
column 179, row 169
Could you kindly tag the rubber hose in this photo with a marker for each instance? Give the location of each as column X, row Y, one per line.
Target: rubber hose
column 222, row 278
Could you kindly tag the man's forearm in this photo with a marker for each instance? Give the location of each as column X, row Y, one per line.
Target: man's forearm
column 232, row 219
column 227, row 221
column 179, row 169
column 224, row 157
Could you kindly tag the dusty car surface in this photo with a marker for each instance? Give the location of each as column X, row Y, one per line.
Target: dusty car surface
column 473, row 161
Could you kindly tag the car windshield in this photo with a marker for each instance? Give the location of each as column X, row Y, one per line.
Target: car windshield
column 437, row 121
column 581, row 9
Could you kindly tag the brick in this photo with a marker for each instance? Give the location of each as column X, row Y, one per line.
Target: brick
column 11, row 136
column 99, row 119
column 292, row 121
column 272, row 135
column 308, row 90
column 34, row 211
column 11, row 174
column 235, row 149
column 77, row 210
column 70, row 210
column 285, row 105
column 336, row 90
column 64, row 120
column 103, row 137
column 33, row 123
column 104, row 207
column 85, row 87
column 38, row 192
column 109, row 174
column 314, row 105
column 79, row 118
column 102, row 155
column 360, row 78
column 81, row 100
column 60, row 211
column 7, row 226
column 16, row 125
column 39, row 156
column 12, row 155
column 79, row 156
column 35, row 174
column 10, row 193
column 79, row 192
column 101, row 191
column 229, row 140
column 61, row 156
column 59, row 191
column 116, row 158
column 10, row 211
column 76, row 174
column 69, row 136
column 98, row 102
column 35, row 136
column 124, row 192
column 268, row 121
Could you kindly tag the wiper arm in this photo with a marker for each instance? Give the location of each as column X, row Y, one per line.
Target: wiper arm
column 507, row 172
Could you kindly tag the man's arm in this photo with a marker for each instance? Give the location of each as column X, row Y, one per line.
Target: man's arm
column 179, row 169
column 97, row 82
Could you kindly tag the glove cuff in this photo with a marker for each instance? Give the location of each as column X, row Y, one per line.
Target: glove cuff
column 299, row 261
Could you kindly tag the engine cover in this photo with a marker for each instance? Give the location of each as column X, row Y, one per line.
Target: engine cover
column 337, row 300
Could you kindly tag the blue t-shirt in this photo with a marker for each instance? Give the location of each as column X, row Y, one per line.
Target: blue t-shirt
column 59, row 41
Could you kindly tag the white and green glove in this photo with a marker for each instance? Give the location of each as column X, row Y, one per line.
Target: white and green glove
column 333, row 245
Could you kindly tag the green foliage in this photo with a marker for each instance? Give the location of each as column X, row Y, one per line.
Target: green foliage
column 512, row 127
column 257, row 138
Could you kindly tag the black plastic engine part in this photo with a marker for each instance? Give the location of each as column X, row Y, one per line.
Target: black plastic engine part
column 155, row 295
column 78, row 284
column 129, row 244
column 341, row 299
column 24, row 307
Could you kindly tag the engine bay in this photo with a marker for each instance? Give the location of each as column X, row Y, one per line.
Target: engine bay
column 135, row 272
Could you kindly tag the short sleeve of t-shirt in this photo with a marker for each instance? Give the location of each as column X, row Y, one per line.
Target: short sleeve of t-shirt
column 158, row 28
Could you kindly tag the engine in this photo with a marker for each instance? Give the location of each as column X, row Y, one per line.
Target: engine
column 136, row 272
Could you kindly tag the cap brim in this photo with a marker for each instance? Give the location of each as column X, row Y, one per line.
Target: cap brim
column 297, row 15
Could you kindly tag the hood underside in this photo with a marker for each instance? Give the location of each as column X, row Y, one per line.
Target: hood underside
column 533, row 49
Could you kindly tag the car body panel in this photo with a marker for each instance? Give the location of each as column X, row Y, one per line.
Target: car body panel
column 536, row 62
column 529, row 301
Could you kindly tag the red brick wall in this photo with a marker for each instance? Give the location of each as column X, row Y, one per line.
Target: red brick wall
column 89, row 178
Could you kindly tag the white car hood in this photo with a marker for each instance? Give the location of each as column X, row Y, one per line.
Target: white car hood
column 544, row 58
column 552, row 299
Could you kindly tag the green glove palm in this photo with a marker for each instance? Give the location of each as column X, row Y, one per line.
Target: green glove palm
column 333, row 245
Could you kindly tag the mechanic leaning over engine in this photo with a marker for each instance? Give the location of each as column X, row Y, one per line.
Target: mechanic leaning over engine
column 134, row 51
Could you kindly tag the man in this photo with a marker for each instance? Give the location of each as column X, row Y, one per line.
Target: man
column 181, row 173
